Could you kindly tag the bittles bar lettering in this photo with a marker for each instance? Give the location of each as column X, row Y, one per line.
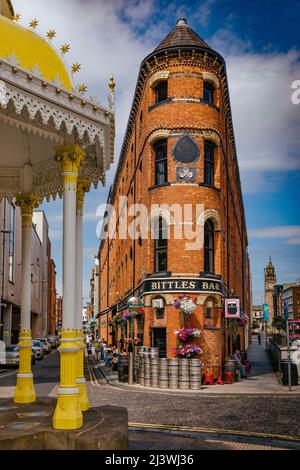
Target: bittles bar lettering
column 197, row 285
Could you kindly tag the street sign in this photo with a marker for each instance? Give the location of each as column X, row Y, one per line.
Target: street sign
column 265, row 312
column 232, row 308
column 294, row 329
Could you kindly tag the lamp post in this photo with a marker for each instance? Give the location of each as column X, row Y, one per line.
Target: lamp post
column 286, row 315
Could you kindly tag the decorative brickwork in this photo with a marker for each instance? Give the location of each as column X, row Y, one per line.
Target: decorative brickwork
column 127, row 266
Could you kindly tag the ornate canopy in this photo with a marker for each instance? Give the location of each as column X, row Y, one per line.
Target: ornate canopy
column 38, row 113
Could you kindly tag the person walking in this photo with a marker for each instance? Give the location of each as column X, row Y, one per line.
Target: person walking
column 259, row 338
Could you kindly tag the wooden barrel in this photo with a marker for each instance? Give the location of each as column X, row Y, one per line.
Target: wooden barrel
column 195, row 383
column 141, row 370
column 195, row 374
column 154, row 352
column 232, row 366
column 123, row 370
column 173, row 373
column 163, row 379
column 183, row 374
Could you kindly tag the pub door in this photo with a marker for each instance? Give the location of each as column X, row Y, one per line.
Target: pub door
column 159, row 340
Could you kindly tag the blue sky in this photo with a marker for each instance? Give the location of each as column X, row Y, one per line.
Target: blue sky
column 259, row 40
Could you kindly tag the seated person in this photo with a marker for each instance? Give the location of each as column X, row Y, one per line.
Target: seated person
column 236, row 356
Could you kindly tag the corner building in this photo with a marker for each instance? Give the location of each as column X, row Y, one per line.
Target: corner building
column 179, row 148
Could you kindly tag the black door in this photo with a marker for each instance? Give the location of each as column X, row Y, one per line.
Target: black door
column 160, row 340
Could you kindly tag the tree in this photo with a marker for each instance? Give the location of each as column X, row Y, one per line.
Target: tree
column 279, row 323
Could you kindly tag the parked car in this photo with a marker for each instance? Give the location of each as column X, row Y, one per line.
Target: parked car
column 46, row 345
column 37, row 348
column 13, row 355
column 57, row 338
column 52, row 340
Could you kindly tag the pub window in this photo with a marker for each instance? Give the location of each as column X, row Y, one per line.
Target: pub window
column 160, row 245
column 161, row 162
column 161, row 91
column 208, row 309
column 209, row 247
column 209, row 156
column 159, row 307
column 11, row 243
column 208, row 93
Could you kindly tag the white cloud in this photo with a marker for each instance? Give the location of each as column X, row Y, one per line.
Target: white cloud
column 290, row 233
column 204, row 12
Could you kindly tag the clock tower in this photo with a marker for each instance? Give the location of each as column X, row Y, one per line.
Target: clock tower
column 270, row 281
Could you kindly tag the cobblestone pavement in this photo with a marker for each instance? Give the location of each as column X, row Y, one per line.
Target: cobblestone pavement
column 276, row 415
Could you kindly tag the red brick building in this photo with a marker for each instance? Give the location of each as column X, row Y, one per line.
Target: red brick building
column 178, row 148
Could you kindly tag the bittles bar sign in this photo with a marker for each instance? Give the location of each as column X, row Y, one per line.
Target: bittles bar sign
column 182, row 285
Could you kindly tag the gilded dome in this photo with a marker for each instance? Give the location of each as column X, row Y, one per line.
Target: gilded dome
column 31, row 51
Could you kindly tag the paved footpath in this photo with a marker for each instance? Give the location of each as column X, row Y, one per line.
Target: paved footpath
column 262, row 378
column 191, row 420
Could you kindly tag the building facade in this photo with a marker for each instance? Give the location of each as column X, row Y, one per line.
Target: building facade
column 178, row 149
column 256, row 316
column 10, row 262
column 290, row 296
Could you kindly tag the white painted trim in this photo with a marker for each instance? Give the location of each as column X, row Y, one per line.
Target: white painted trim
column 80, row 380
column 68, row 391
column 25, row 376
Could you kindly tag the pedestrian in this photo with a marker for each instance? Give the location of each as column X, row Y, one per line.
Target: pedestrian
column 236, row 356
column 97, row 350
column 259, row 338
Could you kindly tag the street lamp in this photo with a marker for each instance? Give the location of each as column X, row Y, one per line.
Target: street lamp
column 286, row 316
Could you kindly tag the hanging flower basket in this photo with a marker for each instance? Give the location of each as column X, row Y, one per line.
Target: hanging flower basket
column 186, row 334
column 186, row 306
column 187, row 350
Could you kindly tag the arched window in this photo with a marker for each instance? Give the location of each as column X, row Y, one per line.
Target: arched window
column 159, row 307
column 160, row 246
column 209, row 261
column 209, row 157
column 161, row 91
column 208, row 93
column 161, row 162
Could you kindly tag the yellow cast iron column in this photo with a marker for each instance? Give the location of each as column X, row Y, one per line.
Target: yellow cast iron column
column 83, row 186
column 68, row 413
column 24, row 391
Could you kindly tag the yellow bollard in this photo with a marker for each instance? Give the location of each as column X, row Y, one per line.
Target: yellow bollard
column 68, row 413
column 24, row 391
column 80, row 380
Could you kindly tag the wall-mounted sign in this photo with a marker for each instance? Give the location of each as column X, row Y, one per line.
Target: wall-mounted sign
column 185, row 174
column 232, row 308
column 171, row 284
column 265, row 312
column 294, row 329
column 182, row 285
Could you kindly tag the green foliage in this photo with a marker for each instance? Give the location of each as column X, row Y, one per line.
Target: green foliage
column 279, row 323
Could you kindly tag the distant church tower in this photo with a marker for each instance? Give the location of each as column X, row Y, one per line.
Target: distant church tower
column 270, row 281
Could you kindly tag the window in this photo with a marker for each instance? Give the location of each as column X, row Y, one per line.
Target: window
column 209, row 247
column 208, row 93
column 161, row 162
column 161, row 91
column 11, row 243
column 208, row 309
column 209, row 154
column 160, row 245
